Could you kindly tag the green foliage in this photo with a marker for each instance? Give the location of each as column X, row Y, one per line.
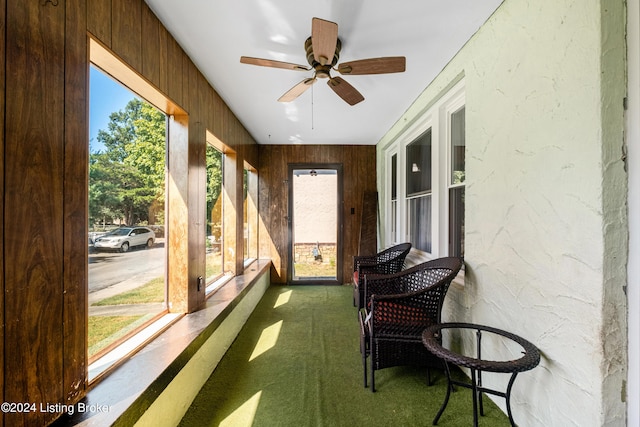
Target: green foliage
column 128, row 178
column 214, row 188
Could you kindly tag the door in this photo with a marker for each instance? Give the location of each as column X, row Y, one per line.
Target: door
column 315, row 224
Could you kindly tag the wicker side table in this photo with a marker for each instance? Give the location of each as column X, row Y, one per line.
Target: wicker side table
column 432, row 339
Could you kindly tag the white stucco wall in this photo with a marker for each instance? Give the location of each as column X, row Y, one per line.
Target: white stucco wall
column 546, row 226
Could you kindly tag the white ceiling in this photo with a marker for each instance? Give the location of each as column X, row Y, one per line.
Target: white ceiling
column 216, row 33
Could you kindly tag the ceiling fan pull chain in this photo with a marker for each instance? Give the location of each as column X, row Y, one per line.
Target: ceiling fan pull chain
column 312, row 125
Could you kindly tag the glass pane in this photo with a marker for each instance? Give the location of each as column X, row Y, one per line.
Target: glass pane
column 126, row 213
column 394, row 177
column 420, row 222
column 419, row 165
column 456, row 222
column 214, row 214
column 394, row 221
column 245, row 217
column 250, row 212
column 457, row 147
column 315, row 224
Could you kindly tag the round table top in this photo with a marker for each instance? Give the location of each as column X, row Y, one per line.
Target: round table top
column 431, row 338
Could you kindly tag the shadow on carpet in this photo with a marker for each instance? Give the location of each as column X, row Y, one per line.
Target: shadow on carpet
column 297, row 362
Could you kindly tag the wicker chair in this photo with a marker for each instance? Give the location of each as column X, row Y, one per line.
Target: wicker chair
column 401, row 306
column 389, row 261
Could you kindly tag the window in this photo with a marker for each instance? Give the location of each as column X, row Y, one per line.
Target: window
column 456, row 183
column 394, row 199
column 126, row 213
column 214, row 229
column 132, row 192
column 221, row 214
column 418, row 191
column 425, row 192
column 250, row 209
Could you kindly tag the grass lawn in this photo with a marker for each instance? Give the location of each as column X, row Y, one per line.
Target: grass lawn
column 315, row 269
column 103, row 330
column 152, row 291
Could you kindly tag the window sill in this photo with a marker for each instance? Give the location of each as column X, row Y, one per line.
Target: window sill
column 144, row 381
column 129, row 347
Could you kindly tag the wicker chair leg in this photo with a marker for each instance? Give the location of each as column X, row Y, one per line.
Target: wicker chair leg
column 364, row 350
column 364, row 366
column 373, row 381
column 355, row 289
column 373, row 368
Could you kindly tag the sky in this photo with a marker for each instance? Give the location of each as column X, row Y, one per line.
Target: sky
column 106, row 95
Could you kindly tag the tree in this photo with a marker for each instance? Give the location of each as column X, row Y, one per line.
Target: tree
column 214, row 189
column 129, row 176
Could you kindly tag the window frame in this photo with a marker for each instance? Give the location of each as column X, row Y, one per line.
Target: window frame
column 455, row 105
column 437, row 117
column 419, row 196
column 213, row 282
column 250, row 214
column 176, row 285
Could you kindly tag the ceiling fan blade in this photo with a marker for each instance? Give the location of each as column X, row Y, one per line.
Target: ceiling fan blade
column 390, row 64
column 324, row 37
column 345, row 91
column 271, row 63
column 297, row 90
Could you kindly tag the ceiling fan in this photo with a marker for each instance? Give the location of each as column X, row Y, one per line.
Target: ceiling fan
column 323, row 52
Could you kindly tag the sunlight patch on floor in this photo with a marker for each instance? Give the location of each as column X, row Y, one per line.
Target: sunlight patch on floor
column 244, row 415
column 283, row 298
column 267, row 340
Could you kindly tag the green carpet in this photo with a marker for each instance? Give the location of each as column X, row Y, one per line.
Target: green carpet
column 297, row 363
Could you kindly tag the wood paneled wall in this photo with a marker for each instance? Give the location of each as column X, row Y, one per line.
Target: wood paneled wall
column 43, row 169
column 359, row 175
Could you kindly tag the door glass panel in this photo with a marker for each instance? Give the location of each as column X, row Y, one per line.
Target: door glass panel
column 315, row 224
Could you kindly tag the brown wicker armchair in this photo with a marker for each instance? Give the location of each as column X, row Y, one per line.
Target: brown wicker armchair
column 401, row 306
column 389, row 261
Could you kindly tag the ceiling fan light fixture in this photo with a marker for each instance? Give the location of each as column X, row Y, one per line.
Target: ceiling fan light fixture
column 323, row 52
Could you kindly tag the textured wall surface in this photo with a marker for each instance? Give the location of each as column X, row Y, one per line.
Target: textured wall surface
column 545, row 201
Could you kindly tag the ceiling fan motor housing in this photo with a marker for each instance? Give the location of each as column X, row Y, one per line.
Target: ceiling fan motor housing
column 322, row 71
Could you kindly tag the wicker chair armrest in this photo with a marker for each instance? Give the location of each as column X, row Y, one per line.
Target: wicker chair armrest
column 367, row 268
column 382, row 284
column 363, row 259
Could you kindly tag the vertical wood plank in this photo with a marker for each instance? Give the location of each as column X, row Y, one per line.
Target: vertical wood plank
column 218, row 116
column 163, row 57
column 126, row 31
column 99, row 20
column 174, row 71
column 3, row 21
column 76, row 161
column 151, row 46
column 33, row 226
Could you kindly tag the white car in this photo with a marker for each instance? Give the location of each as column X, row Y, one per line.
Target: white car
column 124, row 238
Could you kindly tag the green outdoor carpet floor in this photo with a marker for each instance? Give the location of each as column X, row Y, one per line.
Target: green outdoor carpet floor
column 297, row 362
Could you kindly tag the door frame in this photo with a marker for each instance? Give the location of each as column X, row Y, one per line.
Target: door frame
column 633, row 165
column 340, row 220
